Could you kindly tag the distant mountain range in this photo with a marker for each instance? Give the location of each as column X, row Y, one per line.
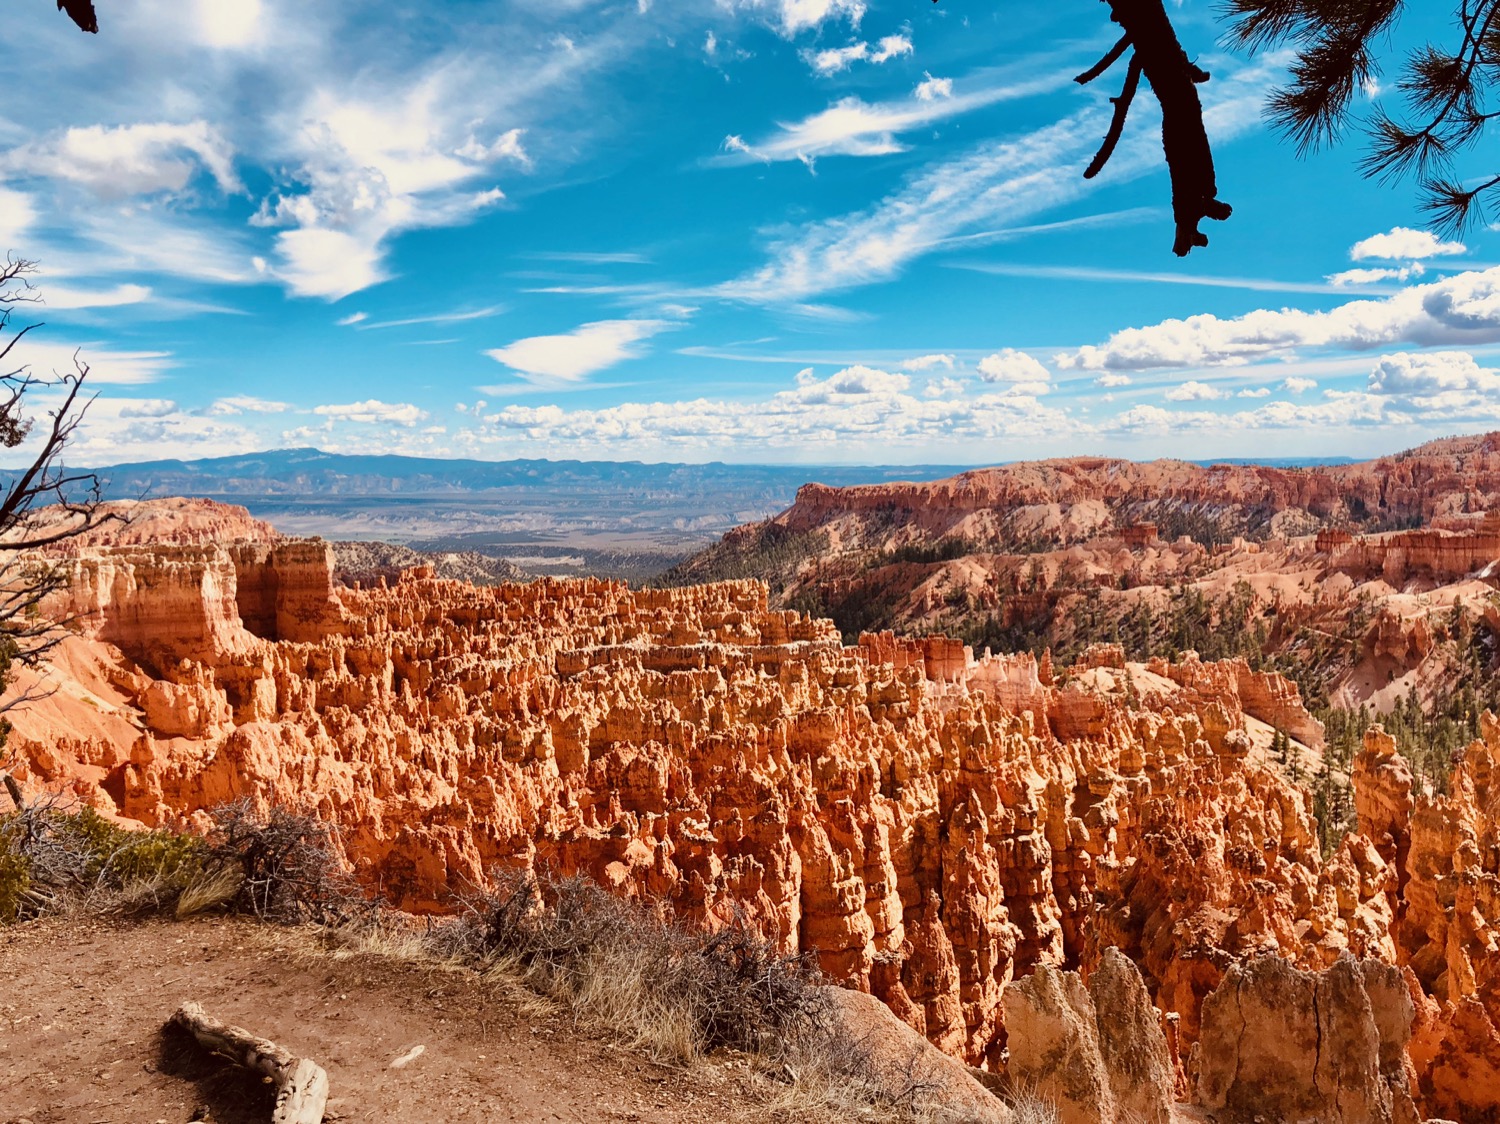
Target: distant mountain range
column 312, row 472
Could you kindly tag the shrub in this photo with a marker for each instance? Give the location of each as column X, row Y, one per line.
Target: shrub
column 279, row 866
column 288, row 865
column 678, row 993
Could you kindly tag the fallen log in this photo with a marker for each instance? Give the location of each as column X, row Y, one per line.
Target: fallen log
column 301, row 1084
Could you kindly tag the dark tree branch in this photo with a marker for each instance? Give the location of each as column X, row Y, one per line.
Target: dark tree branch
column 81, row 12
column 1117, row 122
column 1111, row 56
column 1174, row 80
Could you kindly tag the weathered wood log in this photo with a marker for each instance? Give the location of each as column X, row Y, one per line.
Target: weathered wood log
column 301, row 1084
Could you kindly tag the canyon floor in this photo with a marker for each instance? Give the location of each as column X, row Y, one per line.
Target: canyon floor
column 84, row 1004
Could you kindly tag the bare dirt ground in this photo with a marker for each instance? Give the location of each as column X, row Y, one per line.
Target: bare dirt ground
column 82, row 1005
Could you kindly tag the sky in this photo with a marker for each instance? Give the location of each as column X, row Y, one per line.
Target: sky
column 789, row 231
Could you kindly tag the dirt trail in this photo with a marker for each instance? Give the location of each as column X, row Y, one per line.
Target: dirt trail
column 82, row 1005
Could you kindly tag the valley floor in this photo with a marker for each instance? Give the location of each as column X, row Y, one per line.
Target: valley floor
column 83, row 1005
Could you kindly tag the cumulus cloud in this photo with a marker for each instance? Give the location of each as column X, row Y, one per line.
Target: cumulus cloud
column 850, row 382
column 1193, row 391
column 1462, row 309
column 835, row 59
column 1010, row 365
column 573, row 356
column 928, row 362
column 1255, row 392
column 374, row 412
column 1297, row 385
column 1425, row 375
column 857, row 404
column 932, row 89
column 944, row 388
column 1112, row 379
column 1402, row 242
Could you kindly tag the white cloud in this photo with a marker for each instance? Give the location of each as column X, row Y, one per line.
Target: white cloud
column 1462, row 309
column 106, row 365
column 855, row 404
column 1010, row 365
column 1402, row 242
column 851, row 381
column 63, row 297
column 1193, row 391
column 853, row 127
column 1431, row 373
column 1255, row 392
column 352, row 319
column 129, row 159
column 246, row 404
column 146, row 407
column 437, row 318
column 17, row 214
column 1372, row 276
column 835, row 59
column 928, row 362
column 370, row 164
column 374, row 412
column 575, row 355
column 1112, row 380
column 1298, row 385
column 944, row 388
column 115, row 430
column 229, row 24
column 317, row 262
column 932, row 89
column 791, row 17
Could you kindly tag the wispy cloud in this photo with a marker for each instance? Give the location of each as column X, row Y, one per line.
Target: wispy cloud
column 1151, row 277
column 590, row 257
column 434, row 318
column 852, row 127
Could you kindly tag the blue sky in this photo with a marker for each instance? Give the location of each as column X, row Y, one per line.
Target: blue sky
column 757, row 230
